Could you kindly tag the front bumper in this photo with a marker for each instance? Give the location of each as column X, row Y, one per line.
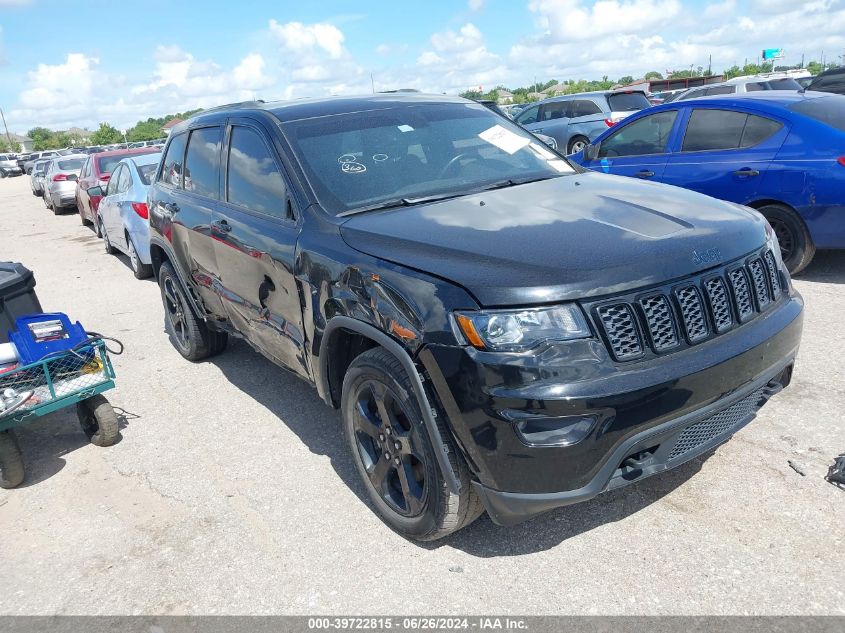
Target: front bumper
column 643, row 409
column 11, row 171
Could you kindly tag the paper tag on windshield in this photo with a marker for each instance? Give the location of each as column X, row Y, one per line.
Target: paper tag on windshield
column 505, row 140
column 542, row 152
column 405, row 128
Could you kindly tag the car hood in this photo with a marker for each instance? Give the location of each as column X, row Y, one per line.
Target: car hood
column 572, row 237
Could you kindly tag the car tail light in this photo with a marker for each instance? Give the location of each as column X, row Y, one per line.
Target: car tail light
column 59, row 177
column 105, row 177
column 141, row 209
column 609, row 122
column 841, row 161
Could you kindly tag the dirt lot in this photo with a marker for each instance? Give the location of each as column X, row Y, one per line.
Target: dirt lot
column 231, row 490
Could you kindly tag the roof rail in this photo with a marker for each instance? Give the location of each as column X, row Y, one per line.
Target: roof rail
column 228, row 106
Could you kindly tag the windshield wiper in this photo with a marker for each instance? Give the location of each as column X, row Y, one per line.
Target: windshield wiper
column 400, row 202
column 511, row 182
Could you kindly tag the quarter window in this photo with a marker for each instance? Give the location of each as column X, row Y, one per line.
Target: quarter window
column 253, row 178
column 648, row 135
column 171, row 170
column 555, row 110
column 202, row 162
column 583, row 107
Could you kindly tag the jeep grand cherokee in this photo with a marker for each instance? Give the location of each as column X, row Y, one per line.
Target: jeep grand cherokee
column 501, row 330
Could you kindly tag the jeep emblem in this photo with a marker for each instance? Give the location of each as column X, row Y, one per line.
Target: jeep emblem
column 706, row 257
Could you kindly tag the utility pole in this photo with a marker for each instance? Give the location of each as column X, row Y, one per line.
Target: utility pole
column 6, row 127
column 710, row 65
column 373, row 83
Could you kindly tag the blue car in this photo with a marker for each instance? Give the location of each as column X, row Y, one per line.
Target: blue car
column 782, row 153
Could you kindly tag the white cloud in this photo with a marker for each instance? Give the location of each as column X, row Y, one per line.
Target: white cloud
column 299, row 37
column 476, row 5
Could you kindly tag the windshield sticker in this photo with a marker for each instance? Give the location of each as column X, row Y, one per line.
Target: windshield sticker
column 504, row 139
column 380, row 158
column 562, row 166
column 541, row 151
column 352, row 168
column 406, row 128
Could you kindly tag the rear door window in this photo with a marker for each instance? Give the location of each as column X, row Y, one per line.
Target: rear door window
column 554, row 110
column 627, row 101
column 253, row 179
column 202, row 162
column 720, row 90
column 709, row 130
column 648, row 135
column 124, row 180
column 171, row 168
column 758, row 129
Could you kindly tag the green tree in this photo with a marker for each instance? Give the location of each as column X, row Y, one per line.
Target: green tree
column 627, row 79
column 144, row 131
column 41, row 138
column 106, row 134
column 653, row 74
column 814, row 67
column 5, row 146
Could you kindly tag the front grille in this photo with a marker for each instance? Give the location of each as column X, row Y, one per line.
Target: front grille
column 695, row 321
column 720, row 305
column 618, row 322
column 709, row 428
column 691, row 312
column 660, row 321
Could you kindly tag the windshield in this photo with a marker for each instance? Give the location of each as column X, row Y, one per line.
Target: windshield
column 627, row 101
column 411, row 151
column 828, row 110
column 71, row 164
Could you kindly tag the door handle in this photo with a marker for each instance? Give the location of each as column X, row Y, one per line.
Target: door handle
column 746, row 172
column 645, row 173
column 221, row 226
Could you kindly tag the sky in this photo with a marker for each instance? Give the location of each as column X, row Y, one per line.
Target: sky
column 66, row 64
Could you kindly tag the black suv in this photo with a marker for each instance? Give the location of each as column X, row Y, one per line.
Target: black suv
column 500, row 329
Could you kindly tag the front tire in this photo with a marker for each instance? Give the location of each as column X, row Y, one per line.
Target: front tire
column 394, row 455
column 106, row 244
column 796, row 246
column 192, row 338
column 11, row 461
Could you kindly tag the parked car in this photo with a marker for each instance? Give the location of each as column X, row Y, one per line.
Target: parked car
column 782, row 153
column 60, row 179
column 123, row 212
column 829, row 81
column 574, row 120
column 741, row 85
column 500, row 329
column 9, row 166
column 36, row 178
column 96, row 173
column 30, row 161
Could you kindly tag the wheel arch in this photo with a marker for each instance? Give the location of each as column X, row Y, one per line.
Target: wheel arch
column 159, row 254
column 764, row 202
column 352, row 337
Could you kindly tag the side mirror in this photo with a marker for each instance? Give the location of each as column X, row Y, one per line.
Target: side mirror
column 591, row 152
column 95, row 192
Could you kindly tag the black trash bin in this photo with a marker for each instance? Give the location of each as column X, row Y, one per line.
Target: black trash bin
column 17, row 296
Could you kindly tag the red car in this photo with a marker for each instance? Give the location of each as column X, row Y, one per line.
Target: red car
column 96, row 173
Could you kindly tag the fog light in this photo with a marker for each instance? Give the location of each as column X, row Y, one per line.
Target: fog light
column 559, row 431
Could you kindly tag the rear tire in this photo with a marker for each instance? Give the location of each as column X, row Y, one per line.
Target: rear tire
column 395, row 457
column 11, row 461
column 139, row 268
column 576, row 144
column 796, row 245
column 191, row 337
column 98, row 420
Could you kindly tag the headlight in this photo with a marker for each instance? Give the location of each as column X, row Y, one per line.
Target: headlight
column 517, row 330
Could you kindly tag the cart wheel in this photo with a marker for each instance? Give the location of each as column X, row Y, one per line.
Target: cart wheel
column 98, row 420
column 11, row 461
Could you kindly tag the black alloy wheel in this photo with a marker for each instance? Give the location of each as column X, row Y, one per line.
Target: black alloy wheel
column 389, row 448
column 175, row 309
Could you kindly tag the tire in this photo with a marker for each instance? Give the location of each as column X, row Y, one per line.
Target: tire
column 191, row 337
column 106, row 244
column 82, row 218
column 97, row 229
column 576, row 144
column 396, row 460
column 139, row 268
column 11, row 461
column 98, row 420
column 46, row 200
column 796, row 245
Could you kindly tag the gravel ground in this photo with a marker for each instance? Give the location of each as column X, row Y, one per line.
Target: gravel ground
column 231, row 491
